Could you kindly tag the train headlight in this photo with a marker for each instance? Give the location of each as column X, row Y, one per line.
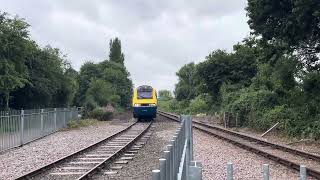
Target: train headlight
column 152, row 104
column 136, row 105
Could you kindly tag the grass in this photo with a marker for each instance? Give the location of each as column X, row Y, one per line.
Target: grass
column 82, row 123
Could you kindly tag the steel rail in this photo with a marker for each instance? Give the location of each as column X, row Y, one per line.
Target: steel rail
column 48, row 166
column 204, row 128
column 98, row 167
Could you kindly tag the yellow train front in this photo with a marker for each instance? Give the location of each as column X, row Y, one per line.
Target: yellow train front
column 144, row 102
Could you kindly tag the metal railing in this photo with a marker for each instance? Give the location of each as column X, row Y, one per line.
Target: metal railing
column 178, row 158
column 18, row 127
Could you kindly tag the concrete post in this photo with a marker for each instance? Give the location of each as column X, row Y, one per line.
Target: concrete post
column 303, row 172
column 229, row 171
column 266, row 172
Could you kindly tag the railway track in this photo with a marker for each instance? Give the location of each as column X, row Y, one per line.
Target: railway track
column 285, row 155
column 86, row 162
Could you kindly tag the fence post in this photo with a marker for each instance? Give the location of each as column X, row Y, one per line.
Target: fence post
column 266, row 172
column 64, row 117
column 195, row 171
column 55, row 119
column 156, row 174
column 170, row 161
column 191, row 138
column 22, row 127
column 224, row 120
column 174, row 157
column 162, row 169
column 237, row 119
column 303, row 172
column 229, row 171
column 167, row 171
column 41, row 118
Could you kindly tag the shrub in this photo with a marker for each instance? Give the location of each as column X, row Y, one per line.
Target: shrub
column 198, row 105
column 81, row 123
column 100, row 114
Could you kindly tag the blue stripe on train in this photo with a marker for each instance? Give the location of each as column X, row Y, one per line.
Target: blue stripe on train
column 145, row 111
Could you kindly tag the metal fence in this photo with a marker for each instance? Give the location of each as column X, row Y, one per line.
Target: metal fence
column 178, row 159
column 18, row 127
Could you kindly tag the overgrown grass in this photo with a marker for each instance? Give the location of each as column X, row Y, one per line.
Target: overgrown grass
column 82, row 123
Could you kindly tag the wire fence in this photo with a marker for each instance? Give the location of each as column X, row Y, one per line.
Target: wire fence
column 18, row 127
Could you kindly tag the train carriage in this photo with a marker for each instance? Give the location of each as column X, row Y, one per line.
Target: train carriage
column 144, row 102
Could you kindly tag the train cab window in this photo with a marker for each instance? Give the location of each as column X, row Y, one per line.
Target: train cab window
column 144, row 92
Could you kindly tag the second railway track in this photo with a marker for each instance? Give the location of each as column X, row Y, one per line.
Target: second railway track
column 88, row 161
column 285, row 155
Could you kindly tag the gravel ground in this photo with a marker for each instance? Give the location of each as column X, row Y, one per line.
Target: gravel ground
column 274, row 136
column 147, row 158
column 19, row 161
column 215, row 153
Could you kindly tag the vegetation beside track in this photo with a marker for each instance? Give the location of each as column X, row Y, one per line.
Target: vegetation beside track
column 82, row 123
column 271, row 76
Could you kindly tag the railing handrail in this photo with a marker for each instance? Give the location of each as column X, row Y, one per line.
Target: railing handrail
column 19, row 127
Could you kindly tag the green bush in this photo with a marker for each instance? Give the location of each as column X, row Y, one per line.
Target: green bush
column 198, row 105
column 81, row 123
column 100, row 114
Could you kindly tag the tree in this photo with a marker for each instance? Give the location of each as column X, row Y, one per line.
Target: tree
column 14, row 37
column 292, row 24
column 117, row 75
column 99, row 93
column 51, row 80
column 164, row 95
column 9, row 80
column 88, row 72
column 116, row 54
column 186, row 88
column 113, row 72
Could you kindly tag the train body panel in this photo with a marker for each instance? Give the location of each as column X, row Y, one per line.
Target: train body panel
column 144, row 102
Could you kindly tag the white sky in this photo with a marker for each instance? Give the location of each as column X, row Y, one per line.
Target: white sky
column 158, row 37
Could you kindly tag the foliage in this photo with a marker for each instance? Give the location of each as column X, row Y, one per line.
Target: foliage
column 164, row 95
column 99, row 93
column 81, row 123
column 32, row 77
column 105, row 83
column 14, row 37
column 88, row 72
column 100, row 114
column 35, row 77
column 186, row 88
column 292, row 24
column 116, row 54
column 198, row 105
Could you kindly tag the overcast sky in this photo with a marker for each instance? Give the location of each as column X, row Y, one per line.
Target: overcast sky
column 158, row 36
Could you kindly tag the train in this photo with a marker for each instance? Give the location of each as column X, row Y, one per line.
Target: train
column 144, row 102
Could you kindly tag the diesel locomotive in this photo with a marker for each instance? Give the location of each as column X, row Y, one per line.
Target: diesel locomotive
column 144, row 102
